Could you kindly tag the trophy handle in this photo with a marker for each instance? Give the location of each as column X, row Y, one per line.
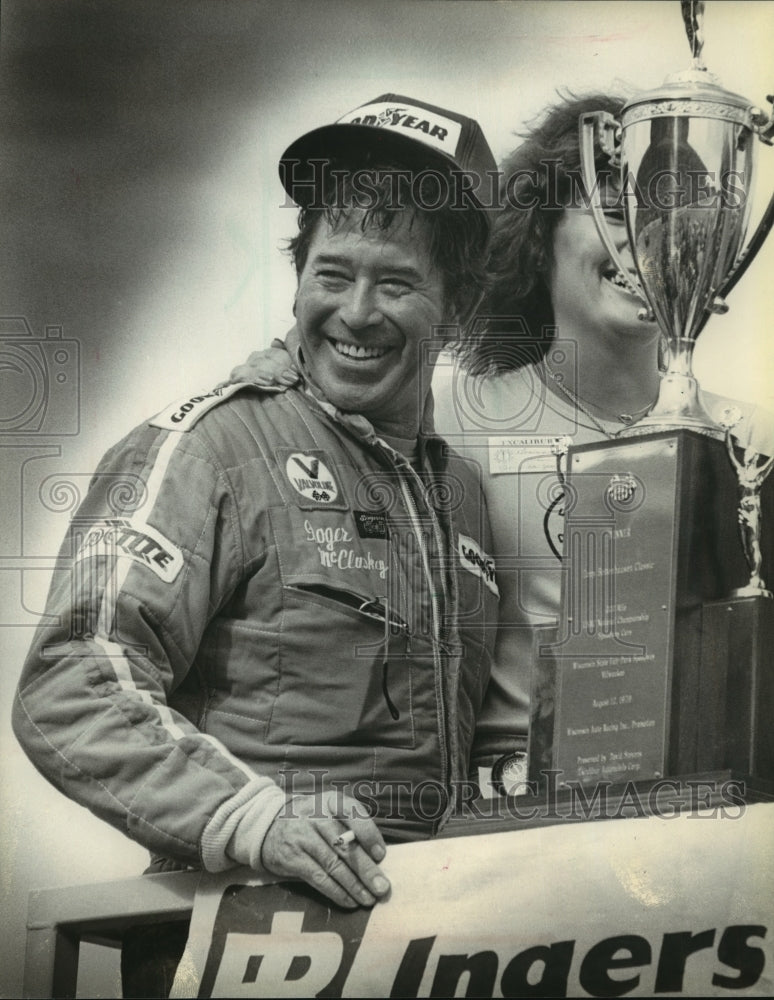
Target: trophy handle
column 601, row 126
column 764, row 127
column 746, row 257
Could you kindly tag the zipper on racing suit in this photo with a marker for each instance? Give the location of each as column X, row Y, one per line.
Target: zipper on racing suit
column 378, row 609
column 391, row 621
column 406, row 473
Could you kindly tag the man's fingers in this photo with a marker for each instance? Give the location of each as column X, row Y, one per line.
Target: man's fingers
column 333, row 850
column 314, row 874
column 357, row 818
column 343, row 866
column 367, row 834
column 305, row 855
column 362, row 864
column 357, row 862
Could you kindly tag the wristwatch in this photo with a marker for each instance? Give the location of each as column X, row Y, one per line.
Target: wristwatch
column 509, row 773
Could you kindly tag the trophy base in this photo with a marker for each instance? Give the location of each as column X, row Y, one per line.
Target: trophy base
column 678, row 408
column 654, row 424
column 751, row 591
column 652, row 672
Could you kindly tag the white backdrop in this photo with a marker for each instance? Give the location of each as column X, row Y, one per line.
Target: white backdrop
column 142, row 215
column 571, row 888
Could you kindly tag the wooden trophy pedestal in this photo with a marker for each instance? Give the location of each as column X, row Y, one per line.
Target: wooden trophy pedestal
column 653, row 673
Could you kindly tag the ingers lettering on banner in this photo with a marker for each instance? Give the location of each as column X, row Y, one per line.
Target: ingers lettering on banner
column 600, row 972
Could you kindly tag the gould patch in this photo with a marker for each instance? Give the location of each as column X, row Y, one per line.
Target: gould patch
column 370, row 524
column 476, row 561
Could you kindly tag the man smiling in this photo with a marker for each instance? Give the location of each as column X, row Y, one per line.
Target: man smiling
column 299, row 677
column 367, row 302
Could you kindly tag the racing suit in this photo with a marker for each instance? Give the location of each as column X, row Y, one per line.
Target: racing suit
column 257, row 598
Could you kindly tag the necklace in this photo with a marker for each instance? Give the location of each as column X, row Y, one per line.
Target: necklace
column 623, row 418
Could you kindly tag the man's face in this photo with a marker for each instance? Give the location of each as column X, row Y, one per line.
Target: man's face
column 366, row 301
column 586, row 291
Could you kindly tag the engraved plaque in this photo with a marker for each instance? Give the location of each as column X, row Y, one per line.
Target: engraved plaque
column 650, row 536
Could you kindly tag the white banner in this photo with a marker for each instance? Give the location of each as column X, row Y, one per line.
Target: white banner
column 630, row 907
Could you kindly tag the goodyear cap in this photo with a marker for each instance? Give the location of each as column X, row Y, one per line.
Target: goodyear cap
column 387, row 129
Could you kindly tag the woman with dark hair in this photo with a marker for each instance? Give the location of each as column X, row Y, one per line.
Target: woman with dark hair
column 540, row 179
column 558, row 354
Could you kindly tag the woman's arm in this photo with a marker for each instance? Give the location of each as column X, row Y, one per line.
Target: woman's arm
column 272, row 366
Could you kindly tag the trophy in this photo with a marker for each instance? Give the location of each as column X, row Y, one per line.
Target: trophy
column 686, row 153
column 662, row 664
column 751, row 471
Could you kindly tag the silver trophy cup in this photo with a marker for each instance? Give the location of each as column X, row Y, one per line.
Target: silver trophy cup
column 686, row 155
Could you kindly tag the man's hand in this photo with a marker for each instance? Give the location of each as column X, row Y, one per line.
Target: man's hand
column 271, row 366
column 305, row 841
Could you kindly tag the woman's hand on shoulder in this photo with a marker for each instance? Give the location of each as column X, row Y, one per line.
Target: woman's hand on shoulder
column 271, row 366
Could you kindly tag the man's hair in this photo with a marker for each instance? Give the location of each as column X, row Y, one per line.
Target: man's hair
column 517, row 319
column 459, row 236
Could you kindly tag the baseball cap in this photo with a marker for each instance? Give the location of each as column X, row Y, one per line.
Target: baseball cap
column 392, row 128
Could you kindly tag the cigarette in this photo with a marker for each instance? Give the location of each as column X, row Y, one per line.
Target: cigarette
column 343, row 839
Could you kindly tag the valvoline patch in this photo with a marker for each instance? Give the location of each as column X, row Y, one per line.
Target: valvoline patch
column 312, row 478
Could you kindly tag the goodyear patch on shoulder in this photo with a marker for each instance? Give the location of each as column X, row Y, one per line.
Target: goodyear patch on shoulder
column 184, row 413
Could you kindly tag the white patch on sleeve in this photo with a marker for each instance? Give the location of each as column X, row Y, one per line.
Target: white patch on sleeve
column 476, row 561
column 115, row 537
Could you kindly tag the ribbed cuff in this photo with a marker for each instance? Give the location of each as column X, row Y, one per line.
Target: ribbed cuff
column 234, row 836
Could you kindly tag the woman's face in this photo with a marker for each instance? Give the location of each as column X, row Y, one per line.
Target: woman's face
column 587, row 293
